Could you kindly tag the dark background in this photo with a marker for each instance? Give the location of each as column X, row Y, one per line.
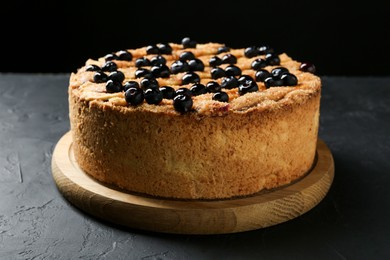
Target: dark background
column 341, row 39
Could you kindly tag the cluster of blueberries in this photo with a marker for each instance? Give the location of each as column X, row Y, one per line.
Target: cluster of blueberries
column 148, row 88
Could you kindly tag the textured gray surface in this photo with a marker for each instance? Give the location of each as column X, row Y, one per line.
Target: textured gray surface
column 352, row 222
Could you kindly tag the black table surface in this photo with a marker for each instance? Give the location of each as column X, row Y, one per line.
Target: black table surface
column 351, row 222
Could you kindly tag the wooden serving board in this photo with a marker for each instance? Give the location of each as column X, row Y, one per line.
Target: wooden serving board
column 190, row 216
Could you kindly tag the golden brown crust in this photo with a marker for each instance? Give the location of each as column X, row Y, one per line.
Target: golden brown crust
column 257, row 141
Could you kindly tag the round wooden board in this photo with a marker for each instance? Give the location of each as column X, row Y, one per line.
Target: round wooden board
column 190, row 216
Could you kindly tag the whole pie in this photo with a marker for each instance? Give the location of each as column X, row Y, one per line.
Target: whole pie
column 191, row 120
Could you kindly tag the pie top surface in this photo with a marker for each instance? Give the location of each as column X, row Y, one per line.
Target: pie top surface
column 197, row 78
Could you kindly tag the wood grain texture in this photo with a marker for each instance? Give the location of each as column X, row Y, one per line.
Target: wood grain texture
column 190, row 216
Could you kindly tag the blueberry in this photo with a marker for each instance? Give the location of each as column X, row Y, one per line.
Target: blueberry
column 190, row 77
column 134, row 96
column 179, row 66
column 272, row 59
column 289, row 79
column 164, row 48
column 215, row 61
column 182, row 103
column 213, row 86
column 258, row 64
column 142, row 72
column 125, row 55
column 113, row 86
column 221, row 96
column 183, row 91
column 223, row 49
column 160, row 71
column 279, row 71
column 217, row 73
column 265, row 49
column 195, row 65
column 251, row 52
column 109, row 66
column 188, row 43
column 117, row 76
column 187, row 55
column 247, row 86
column 100, row 77
column 198, row 89
column 273, row 82
column 111, row 56
column 232, row 70
column 244, row 78
column 229, row 82
column 153, row 96
column 142, row 62
column 158, row 60
column 307, row 67
column 262, row 74
column 168, row 92
column 130, row 84
column 152, row 49
column 92, row 67
column 229, row 58
column 149, row 83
